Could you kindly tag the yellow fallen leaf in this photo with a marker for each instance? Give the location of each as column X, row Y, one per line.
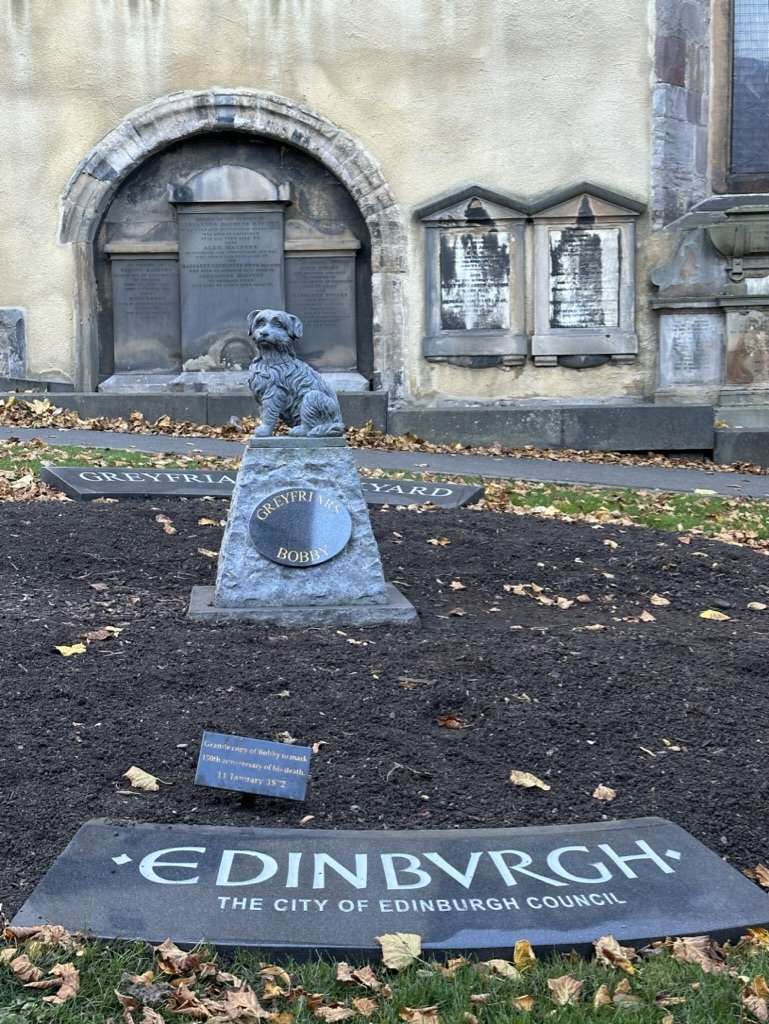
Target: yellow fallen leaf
column 399, row 949
column 527, row 780
column 756, row 937
column 208, row 553
column 604, row 793
column 440, row 542
column 757, row 606
column 646, row 616
column 208, row 522
column 140, row 779
column 659, row 601
column 711, row 613
column 564, row 990
column 523, row 955
column 67, row 651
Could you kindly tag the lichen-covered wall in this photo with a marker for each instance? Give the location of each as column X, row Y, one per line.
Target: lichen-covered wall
column 522, row 98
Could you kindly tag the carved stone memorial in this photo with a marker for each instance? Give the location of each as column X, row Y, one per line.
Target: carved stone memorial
column 691, row 355
column 747, row 354
column 145, row 309
column 332, row 892
column 584, row 270
column 474, row 255
column 298, row 549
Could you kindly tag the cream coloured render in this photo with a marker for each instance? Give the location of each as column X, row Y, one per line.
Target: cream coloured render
column 518, row 97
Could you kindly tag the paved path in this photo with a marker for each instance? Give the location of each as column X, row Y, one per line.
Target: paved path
column 500, row 467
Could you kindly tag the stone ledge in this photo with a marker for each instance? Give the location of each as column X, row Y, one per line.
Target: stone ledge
column 742, row 446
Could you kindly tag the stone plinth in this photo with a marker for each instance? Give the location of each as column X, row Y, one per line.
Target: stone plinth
column 347, row 589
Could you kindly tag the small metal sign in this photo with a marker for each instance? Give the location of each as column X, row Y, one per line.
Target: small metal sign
column 300, row 527
column 253, row 766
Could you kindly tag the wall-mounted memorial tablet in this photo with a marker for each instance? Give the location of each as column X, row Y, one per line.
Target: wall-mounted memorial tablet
column 691, row 354
column 474, row 267
column 230, row 261
column 145, row 308
column 248, row 765
column 584, row 276
column 464, row 891
column 321, row 291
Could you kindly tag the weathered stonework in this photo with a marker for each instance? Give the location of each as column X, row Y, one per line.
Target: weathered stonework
column 680, row 108
column 13, row 343
column 183, row 114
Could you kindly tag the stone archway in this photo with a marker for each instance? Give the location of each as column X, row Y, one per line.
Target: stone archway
column 182, row 115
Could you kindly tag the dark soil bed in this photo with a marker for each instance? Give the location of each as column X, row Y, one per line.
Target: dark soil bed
column 672, row 713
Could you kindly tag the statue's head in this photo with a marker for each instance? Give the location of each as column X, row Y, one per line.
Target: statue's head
column 274, row 329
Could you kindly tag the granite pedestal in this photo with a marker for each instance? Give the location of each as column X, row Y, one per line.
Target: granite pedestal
column 347, row 589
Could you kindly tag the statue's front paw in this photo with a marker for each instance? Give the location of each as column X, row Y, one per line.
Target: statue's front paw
column 263, row 431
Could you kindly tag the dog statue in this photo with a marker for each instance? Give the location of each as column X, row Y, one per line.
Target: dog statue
column 285, row 386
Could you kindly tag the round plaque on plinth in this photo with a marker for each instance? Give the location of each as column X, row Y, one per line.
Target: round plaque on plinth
column 300, row 527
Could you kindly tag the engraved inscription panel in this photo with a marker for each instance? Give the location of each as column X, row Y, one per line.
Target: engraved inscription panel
column 146, row 314
column 691, row 347
column 584, row 277
column 475, row 280
column 230, row 263
column 320, row 290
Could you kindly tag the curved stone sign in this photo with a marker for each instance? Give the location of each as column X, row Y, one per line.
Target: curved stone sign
column 300, row 527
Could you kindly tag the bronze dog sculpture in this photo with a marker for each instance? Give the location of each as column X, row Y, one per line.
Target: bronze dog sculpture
column 286, row 387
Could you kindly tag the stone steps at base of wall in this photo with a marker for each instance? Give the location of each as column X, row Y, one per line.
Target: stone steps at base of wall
column 625, row 426
column 597, row 427
column 742, row 445
column 357, row 407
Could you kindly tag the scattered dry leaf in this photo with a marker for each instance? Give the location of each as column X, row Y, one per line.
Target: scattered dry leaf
column 171, row 959
column 103, row 633
column 564, row 990
column 659, row 600
column 399, row 949
column 760, row 874
column 24, row 969
column 420, row 1014
column 701, row 950
column 527, row 780
column 609, row 952
column 646, row 616
column 523, row 955
column 364, row 1006
column 166, row 523
column 439, row 542
column 524, row 1003
column 604, row 793
column 67, row 650
column 451, row 721
column 69, row 984
column 208, row 553
column 504, row 968
column 757, row 606
column 713, row 615
column 457, row 585
column 140, row 779
column 602, row 997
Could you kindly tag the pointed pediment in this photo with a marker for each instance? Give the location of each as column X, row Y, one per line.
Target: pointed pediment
column 473, row 204
column 586, row 202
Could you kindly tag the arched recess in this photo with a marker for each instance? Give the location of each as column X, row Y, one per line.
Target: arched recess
column 182, row 115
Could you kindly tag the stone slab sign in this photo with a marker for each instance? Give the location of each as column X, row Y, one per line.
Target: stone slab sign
column 476, row 891
column 84, row 482
column 250, row 765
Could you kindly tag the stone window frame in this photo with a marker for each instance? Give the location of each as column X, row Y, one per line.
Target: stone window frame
column 182, row 115
column 722, row 178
